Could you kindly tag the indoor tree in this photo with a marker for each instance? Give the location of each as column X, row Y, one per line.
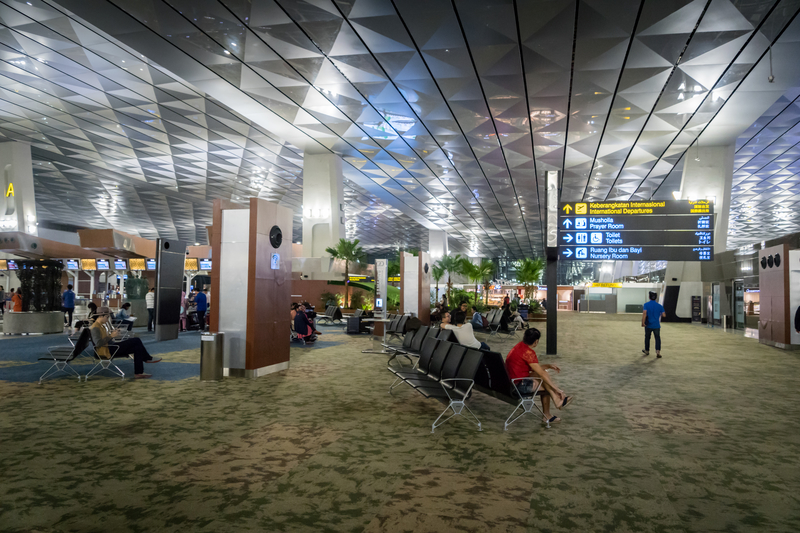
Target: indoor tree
column 452, row 265
column 477, row 273
column 529, row 273
column 485, row 272
column 349, row 252
column 437, row 273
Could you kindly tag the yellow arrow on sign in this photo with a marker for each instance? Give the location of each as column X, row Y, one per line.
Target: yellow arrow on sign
column 568, row 208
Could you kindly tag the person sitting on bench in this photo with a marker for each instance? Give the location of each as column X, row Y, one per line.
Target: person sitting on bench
column 303, row 325
column 125, row 317
column 463, row 331
column 101, row 339
column 522, row 362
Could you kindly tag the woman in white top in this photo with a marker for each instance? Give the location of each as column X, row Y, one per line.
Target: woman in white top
column 464, row 333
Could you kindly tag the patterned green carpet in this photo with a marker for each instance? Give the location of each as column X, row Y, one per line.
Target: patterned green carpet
column 705, row 439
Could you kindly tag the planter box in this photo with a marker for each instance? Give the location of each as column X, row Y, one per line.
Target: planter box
column 32, row 322
column 537, row 317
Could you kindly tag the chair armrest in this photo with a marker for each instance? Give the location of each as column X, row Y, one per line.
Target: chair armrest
column 465, row 394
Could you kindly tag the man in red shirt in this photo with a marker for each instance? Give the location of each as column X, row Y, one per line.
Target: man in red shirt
column 522, row 363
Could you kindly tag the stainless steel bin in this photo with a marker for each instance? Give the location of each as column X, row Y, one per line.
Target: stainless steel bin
column 211, row 354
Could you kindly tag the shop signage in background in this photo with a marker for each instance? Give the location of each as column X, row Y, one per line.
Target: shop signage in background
column 361, row 278
column 667, row 230
column 190, row 264
column 395, row 279
column 381, row 271
column 88, row 264
column 137, row 263
column 605, row 285
column 697, row 309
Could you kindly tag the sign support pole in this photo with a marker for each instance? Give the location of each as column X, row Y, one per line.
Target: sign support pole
column 552, row 262
column 552, row 311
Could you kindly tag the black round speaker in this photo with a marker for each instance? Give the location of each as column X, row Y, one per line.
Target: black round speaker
column 777, row 260
column 275, row 237
column 425, row 268
column 770, row 261
column 763, row 262
column 166, row 245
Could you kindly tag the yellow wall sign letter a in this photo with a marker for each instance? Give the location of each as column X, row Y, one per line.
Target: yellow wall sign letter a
column 10, row 191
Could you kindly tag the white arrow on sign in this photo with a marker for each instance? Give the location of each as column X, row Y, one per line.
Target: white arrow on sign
column 567, row 223
column 568, row 252
column 568, row 237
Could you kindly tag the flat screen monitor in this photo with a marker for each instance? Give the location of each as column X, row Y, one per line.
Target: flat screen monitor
column 151, row 264
column 136, row 263
column 12, row 265
column 73, row 264
column 120, row 264
column 205, row 264
column 88, row 264
column 102, row 264
column 190, row 264
column 3, row 264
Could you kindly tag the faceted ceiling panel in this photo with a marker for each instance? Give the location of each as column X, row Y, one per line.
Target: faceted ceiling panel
column 446, row 112
column 765, row 197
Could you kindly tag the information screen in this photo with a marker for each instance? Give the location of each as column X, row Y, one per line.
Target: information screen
column 190, row 263
column 120, row 264
column 102, row 264
column 73, row 264
column 151, row 264
column 669, row 230
column 12, row 265
column 205, row 264
column 3, row 264
column 88, row 264
column 137, row 263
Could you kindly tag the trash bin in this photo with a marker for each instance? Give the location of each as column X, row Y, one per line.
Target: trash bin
column 211, row 356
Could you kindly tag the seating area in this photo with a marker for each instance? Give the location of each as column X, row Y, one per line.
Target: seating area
column 448, row 372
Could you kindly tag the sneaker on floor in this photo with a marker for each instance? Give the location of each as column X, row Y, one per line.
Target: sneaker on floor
column 646, row 353
column 658, row 356
column 142, row 376
column 155, row 360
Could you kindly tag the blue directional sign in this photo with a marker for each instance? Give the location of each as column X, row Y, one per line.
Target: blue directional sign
column 671, row 230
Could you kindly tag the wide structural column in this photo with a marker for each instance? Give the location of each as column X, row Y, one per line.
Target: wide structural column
column 251, row 285
column 707, row 174
column 17, row 201
column 323, row 203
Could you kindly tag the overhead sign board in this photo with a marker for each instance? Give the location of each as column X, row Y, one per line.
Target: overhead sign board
column 605, row 285
column 361, row 278
column 667, row 230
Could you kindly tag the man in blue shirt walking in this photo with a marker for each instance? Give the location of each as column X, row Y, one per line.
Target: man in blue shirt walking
column 651, row 322
column 202, row 306
column 68, row 304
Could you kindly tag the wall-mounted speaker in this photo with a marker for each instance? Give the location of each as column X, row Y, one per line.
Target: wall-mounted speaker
column 764, row 262
column 275, row 237
column 777, row 260
column 770, row 261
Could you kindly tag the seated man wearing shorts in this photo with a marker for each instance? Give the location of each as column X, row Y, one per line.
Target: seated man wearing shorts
column 522, row 363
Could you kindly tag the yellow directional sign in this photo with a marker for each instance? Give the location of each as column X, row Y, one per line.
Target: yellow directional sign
column 567, row 208
column 580, row 209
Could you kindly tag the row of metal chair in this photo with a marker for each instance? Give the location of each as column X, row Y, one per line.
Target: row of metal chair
column 61, row 357
column 437, row 364
column 333, row 315
column 444, row 371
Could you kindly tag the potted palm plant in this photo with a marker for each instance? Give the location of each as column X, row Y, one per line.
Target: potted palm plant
column 349, row 252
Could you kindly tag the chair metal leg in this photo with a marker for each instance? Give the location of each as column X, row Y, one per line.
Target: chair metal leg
column 458, row 407
column 60, row 366
column 527, row 405
column 105, row 364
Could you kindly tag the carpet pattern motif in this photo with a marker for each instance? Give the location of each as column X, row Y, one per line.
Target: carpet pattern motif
column 705, row 439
